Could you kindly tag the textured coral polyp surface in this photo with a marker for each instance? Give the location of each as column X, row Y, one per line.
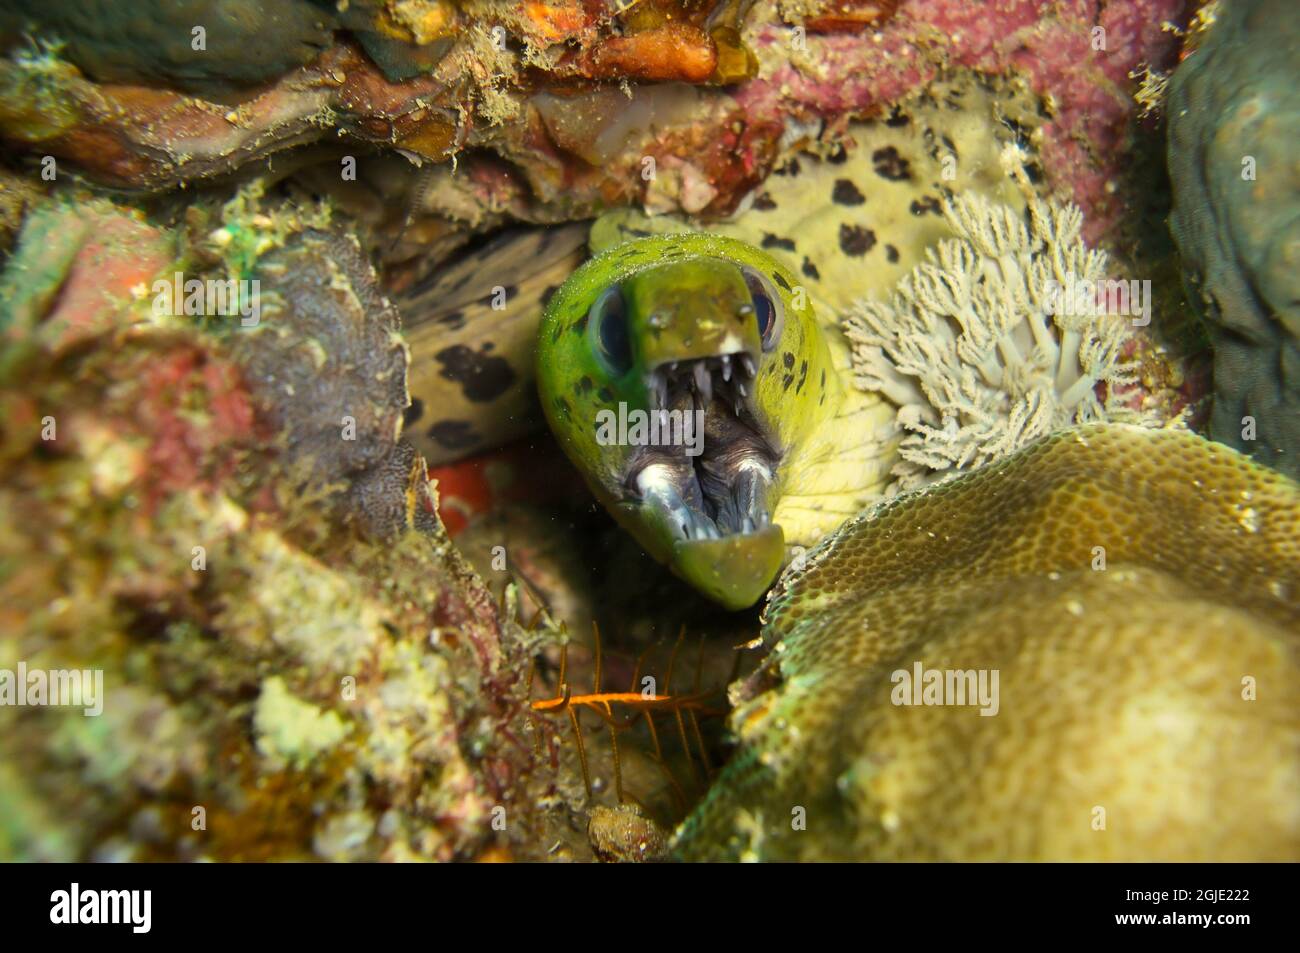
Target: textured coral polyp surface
column 1145, row 710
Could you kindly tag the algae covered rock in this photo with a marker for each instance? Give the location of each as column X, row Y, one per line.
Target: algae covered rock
column 328, row 358
column 1113, row 619
column 270, row 683
column 190, row 43
column 1234, row 117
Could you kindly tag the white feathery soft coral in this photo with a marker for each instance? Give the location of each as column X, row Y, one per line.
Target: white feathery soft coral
column 974, row 349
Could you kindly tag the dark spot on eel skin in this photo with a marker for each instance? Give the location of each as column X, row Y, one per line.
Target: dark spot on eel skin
column 926, row 203
column 897, row 118
column 787, row 359
column 555, row 335
column 856, row 241
column 791, row 168
column 786, row 381
column 585, row 385
column 579, row 326
column 890, row 165
column 780, row 280
column 481, row 378
column 823, row 380
column 776, row 241
column 413, row 413
column 846, row 193
column 454, row 434
column 606, row 395
column 803, row 375
column 453, row 319
column 839, row 156
column 764, row 203
column 891, row 253
column 810, row 270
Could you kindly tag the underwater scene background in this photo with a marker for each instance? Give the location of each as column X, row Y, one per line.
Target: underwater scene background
column 633, row 430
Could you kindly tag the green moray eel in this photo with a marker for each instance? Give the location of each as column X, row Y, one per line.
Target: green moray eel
column 693, row 322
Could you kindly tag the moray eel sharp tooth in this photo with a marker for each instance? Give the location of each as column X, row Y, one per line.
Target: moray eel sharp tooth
column 703, row 383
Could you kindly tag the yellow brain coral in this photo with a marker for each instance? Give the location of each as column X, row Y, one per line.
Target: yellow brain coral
column 1125, row 605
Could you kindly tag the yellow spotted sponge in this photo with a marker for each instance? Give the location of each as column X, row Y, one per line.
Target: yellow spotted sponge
column 1089, row 650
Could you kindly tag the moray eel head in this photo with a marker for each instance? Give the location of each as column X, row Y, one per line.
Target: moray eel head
column 672, row 371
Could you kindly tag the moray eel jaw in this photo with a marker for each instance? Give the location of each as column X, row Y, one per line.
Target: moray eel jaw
column 714, row 504
column 717, row 483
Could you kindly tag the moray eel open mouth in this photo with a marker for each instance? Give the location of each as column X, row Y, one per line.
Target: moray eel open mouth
column 683, row 375
column 719, row 485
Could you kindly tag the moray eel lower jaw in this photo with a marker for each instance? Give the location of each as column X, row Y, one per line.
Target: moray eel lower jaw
column 712, row 497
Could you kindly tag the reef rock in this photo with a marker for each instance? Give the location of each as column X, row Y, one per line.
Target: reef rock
column 1234, row 117
column 524, row 93
column 176, row 528
column 1127, row 605
column 190, row 43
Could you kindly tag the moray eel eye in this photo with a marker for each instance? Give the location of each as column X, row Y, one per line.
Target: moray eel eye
column 767, row 307
column 607, row 324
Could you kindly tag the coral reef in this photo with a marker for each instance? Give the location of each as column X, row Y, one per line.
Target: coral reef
column 524, row 92
column 326, row 354
column 980, row 347
column 297, row 622
column 275, row 685
column 1077, row 57
column 242, row 41
column 851, row 216
column 1129, row 597
column 1234, row 111
column 623, row 835
column 17, row 195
